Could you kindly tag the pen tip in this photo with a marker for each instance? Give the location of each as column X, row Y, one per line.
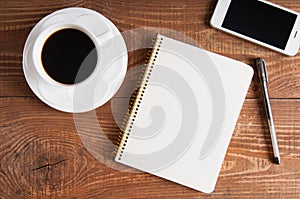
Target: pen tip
column 276, row 160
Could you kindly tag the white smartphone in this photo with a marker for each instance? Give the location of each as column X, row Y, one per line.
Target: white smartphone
column 261, row 22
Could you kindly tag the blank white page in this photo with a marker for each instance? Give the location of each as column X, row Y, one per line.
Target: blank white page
column 182, row 122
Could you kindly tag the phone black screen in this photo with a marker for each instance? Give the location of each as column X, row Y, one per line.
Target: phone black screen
column 260, row 21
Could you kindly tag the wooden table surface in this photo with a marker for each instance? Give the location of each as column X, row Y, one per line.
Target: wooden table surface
column 42, row 155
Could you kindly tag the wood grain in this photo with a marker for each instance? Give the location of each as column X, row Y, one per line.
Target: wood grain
column 43, row 153
column 190, row 18
column 42, row 156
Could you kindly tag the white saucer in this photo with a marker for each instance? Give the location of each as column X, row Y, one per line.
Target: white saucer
column 104, row 81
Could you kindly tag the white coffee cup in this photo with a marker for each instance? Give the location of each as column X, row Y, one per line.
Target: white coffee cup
column 45, row 34
column 101, row 84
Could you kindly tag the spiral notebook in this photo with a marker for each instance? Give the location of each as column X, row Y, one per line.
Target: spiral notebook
column 183, row 114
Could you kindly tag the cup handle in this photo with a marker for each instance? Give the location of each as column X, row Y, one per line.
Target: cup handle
column 93, row 23
column 104, row 37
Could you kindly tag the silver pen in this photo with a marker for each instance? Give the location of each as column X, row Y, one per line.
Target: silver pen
column 263, row 78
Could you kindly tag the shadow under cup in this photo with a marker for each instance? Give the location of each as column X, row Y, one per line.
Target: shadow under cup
column 69, row 56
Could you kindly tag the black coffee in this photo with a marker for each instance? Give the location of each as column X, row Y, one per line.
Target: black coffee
column 69, row 56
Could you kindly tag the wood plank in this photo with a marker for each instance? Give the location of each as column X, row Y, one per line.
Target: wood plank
column 43, row 156
column 190, row 18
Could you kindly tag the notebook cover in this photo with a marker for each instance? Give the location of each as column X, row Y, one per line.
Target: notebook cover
column 184, row 114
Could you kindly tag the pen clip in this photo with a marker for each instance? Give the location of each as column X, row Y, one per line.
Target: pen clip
column 260, row 62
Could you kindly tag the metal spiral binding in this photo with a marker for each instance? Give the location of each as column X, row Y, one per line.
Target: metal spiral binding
column 136, row 98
